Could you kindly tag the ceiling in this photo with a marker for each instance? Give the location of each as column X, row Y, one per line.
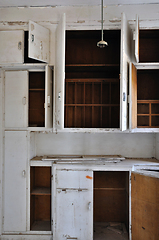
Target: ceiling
column 43, row 3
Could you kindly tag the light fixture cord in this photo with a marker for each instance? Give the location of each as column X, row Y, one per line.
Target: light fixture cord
column 102, row 18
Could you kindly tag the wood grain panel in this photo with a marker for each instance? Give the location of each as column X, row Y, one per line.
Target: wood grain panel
column 134, row 97
column 110, row 206
column 145, row 207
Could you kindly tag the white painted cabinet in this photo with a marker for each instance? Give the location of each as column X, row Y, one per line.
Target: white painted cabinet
column 16, row 99
column 15, row 179
column 83, row 104
column 72, row 204
column 13, row 45
column 28, row 98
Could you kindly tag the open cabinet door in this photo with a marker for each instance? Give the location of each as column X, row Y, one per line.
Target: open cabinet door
column 48, row 97
column 60, row 74
column 145, row 205
column 73, row 204
column 132, row 96
column 137, row 39
column 126, row 38
column 38, row 42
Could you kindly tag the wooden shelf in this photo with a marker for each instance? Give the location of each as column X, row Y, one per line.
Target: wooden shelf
column 41, row 191
column 36, row 89
column 148, row 116
column 110, row 189
column 41, row 226
column 40, row 198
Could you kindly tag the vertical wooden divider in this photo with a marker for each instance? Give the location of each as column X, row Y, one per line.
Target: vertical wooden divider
column 101, row 109
column 150, row 114
column 110, row 104
column 75, row 105
column 92, row 104
column 66, row 107
column 84, row 101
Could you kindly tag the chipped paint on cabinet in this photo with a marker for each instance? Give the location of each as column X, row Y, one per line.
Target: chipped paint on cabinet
column 38, row 42
column 73, row 191
column 11, row 46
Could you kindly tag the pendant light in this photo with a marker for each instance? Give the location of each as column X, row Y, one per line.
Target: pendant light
column 102, row 43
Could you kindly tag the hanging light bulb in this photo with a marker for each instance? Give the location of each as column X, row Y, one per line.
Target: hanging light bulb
column 102, row 43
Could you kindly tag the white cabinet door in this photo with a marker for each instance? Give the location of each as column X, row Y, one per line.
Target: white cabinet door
column 60, row 74
column 15, row 181
column 145, row 204
column 16, row 99
column 48, row 97
column 12, row 46
column 137, row 39
column 132, row 96
column 73, row 205
column 126, row 42
column 38, row 42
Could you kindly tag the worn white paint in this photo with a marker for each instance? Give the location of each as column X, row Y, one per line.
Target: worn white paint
column 28, row 3
column 39, row 42
column 157, row 146
column 125, row 144
column 125, row 58
column 16, row 99
column 60, row 74
column 12, row 46
column 75, row 195
column 81, row 17
column 137, row 39
column 15, row 176
column 48, row 96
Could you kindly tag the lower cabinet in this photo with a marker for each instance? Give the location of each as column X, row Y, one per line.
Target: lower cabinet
column 77, row 201
column 40, row 199
column 15, row 182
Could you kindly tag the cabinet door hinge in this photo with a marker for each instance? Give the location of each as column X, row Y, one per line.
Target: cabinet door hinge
column 128, row 99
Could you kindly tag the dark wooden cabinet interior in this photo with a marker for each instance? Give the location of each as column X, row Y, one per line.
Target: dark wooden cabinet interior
column 147, row 98
column 111, row 197
column 148, row 45
column 40, row 198
column 92, row 85
column 36, row 99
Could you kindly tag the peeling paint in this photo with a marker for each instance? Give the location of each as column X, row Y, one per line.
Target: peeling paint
column 81, row 21
column 89, row 177
column 115, row 20
column 15, row 23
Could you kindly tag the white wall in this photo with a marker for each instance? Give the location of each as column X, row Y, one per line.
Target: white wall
column 139, row 145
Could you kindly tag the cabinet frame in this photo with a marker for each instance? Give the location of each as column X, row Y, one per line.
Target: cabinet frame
column 49, row 71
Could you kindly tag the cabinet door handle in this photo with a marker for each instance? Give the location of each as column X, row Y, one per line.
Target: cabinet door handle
column 89, row 206
column 23, row 173
column 24, row 100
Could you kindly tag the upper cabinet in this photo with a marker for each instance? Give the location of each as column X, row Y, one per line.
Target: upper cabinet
column 146, row 44
column 25, row 47
column 91, row 82
column 143, row 84
column 28, row 98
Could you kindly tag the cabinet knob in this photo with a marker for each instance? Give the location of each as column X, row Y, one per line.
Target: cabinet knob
column 24, row 100
column 23, row 173
column 89, row 206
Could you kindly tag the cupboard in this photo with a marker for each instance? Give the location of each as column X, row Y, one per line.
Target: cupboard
column 23, row 46
column 91, row 83
column 99, row 191
column 28, row 97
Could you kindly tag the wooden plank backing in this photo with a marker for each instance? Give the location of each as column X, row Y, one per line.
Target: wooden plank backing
column 145, row 207
column 133, row 97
